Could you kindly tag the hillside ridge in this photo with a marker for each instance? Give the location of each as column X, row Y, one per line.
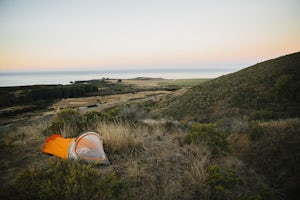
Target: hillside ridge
column 267, row 90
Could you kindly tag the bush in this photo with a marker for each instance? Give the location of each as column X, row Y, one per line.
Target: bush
column 274, row 152
column 67, row 122
column 55, row 127
column 255, row 131
column 230, row 125
column 207, row 134
column 70, row 123
column 221, row 181
column 114, row 112
column 90, row 118
column 61, row 179
column 133, row 113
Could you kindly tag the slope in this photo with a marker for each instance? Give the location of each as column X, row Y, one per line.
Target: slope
column 267, row 90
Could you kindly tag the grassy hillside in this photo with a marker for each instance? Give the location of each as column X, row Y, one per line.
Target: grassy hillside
column 258, row 108
column 268, row 90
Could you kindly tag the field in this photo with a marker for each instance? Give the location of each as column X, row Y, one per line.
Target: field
column 152, row 82
column 183, row 82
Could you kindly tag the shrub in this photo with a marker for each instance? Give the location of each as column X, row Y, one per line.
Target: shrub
column 90, row 118
column 61, row 179
column 230, row 125
column 67, row 122
column 132, row 113
column 221, row 181
column 263, row 114
column 255, row 131
column 274, row 153
column 55, row 127
column 207, row 134
column 114, row 111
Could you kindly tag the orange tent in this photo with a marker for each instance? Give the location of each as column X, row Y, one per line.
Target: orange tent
column 87, row 146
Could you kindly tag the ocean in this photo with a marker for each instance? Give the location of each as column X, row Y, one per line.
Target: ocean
column 65, row 77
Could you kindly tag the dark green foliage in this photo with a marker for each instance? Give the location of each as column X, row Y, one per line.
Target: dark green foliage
column 207, row 134
column 55, row 127
column 62, row 179
column 70, row 122
column 44, row 94
column 255, row 131
column 263, row 114
column 286, row 88
column 274, row 152
column 261, row 194
column 66, row 122
column 222, row 177
column 25, row 95
column 90, row 119
column 221, row 181
column 114, row 111
column 61, row 91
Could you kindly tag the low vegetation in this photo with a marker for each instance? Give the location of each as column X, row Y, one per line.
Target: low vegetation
column 62, row 179
column 267, row 90
column 24, row 99
column 272, row 148
column 184, row 82
column 44, row 93
column 209, row 135
column 120, row 137
column 221, row 181
column 234, row 137
column 148, row 161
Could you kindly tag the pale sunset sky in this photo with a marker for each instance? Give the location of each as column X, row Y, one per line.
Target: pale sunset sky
column 114, row 34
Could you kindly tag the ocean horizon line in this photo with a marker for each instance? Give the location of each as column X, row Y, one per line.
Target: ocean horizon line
column 65, row 77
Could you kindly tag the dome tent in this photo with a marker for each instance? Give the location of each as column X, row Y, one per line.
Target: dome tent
column 87, row 146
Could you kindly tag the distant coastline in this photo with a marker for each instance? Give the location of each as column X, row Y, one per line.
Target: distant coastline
column 65, row 77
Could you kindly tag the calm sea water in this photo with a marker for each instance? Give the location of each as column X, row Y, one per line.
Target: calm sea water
column 64, row 77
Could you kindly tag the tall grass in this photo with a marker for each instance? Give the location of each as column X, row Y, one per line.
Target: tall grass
column 24, row 134
column 120, row 136
column 200, row 159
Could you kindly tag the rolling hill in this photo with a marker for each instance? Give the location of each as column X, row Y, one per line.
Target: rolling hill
column 267, row 90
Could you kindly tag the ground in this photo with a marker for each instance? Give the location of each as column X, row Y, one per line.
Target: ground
column 21, row 135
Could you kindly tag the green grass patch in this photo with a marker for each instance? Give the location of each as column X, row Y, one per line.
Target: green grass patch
column 183, row 82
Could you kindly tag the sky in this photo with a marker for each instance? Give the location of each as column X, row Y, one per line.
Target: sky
column 113, row 34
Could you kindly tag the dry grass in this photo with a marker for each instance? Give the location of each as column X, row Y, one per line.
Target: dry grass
column 20, row 147
column 119, row 137
column 24, row 134
column 200, row 158
column 153, row 159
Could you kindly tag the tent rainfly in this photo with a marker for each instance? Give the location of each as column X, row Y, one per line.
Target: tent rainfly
column 87, row 146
